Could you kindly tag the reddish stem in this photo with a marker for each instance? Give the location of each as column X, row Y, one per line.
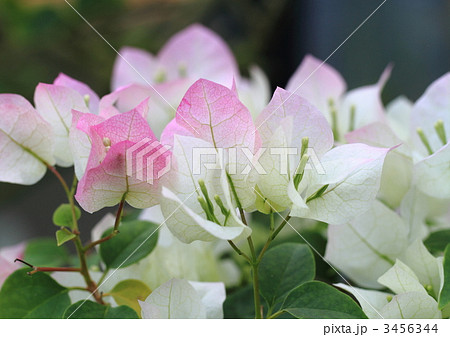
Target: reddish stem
column 47, row 269
column 52, row 269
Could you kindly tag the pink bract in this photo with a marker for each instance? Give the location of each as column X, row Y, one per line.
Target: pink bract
column 119, row 143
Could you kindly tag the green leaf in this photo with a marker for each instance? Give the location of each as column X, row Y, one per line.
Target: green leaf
column 63, row 235
column 284, row 268
column 316, row 240
column 437, row 241
column 32, row 296
column 239, row 304
column 128, row 293
column 131, row 214
column 444, row 298
column 63, row 215
column 319, row 300
column 45, row 253
column 135, row 241
column 89, row 309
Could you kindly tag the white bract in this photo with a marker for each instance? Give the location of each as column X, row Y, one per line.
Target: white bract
column 430, row 124
column 410, row 305
column 182, row 299
column 398, row 166
column 26, row 141
column 55, row 103
column 367, row 246
column 315, row 181
column 324, row 87
column 184, row 214
column 415, row 280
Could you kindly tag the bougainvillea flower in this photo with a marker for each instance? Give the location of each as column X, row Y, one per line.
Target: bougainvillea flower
column 119, row 101
column 347, row 188
column 338, row 184
column 283, row 124
column 214, row 113
column 7, row 258
column 418, row 209
column 408, row 305
column 367, row 246
column 418, row 262
column 55, row 102
column 179, row 58
column 325, row 88
column 432, row 176
column 145, row 68
column 26, row 141
column 430, row 123
column 179, row 62
column 415, row 280
column 430, row 108
column 398, row 166
column 363, row 105
column 211, row 128
column 398, row 115
column 89, row 96
column 184, row 299
column 316, row 82
column 180, row 55
column 163, row 99
column 255, row 91
column 122, row 100
column 196, row 203
column 79, row 141
column 119, row 143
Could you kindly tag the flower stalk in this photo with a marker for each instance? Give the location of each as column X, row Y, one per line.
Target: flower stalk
column 81, row 250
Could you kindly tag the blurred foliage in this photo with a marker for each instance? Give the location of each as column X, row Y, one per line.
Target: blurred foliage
column 39, row 42
column 40, row 39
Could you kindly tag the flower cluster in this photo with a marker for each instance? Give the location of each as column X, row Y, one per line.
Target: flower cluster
column 208, row 154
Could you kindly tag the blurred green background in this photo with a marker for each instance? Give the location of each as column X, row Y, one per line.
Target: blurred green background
column 40, row 38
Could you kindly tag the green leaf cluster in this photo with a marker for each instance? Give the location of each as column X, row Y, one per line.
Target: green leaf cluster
column 40, row 296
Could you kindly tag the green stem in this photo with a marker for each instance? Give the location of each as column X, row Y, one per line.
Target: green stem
column 253, row 260
column 91, row 286
column 74, row 185
column 119, row 213
column 257, row 298
column 280, row 227
column 46, row 269
column 257, row 261
column 275, row 315
column 272, row 222
column 272, row 237
column 249, row 239
column 240, row 252
column 115, row 230
column 254, row 264
column 77, row 288
column 69, row 194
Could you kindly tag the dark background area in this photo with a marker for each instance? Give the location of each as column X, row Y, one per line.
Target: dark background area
column 40, row 38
